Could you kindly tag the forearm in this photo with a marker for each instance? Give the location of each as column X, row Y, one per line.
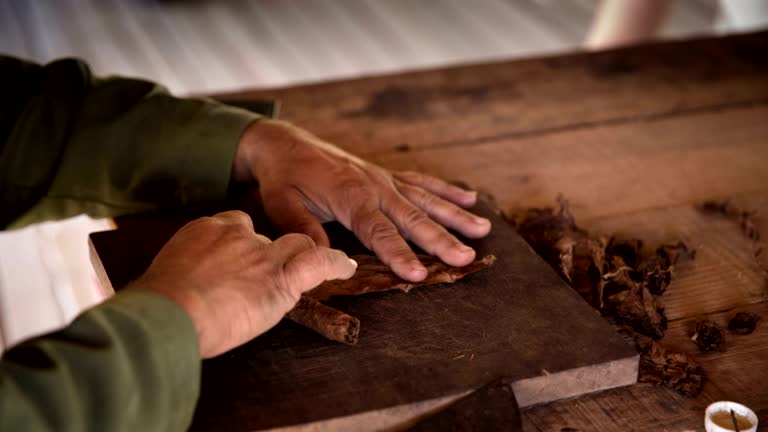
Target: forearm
column 621, row 22
column 129, row 364
column 71, row 143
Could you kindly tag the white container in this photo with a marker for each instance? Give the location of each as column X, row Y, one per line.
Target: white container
column 717, row 417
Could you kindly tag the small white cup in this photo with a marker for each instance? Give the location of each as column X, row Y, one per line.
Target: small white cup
column 722, row 411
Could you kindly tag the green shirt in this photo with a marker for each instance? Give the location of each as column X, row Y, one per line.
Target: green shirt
column 71, row 143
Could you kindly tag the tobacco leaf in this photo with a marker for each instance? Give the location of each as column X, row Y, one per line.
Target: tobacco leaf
column 631, row 303
column 616, row 276
column 709, row 336
column 622, row 280
column 656, row 270
column 372, row 276
column 672, row 369
column 743, row 323
column 572, row 251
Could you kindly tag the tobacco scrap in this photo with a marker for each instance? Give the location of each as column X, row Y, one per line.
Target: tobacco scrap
column 633, row 304
column 621, row 279
column 708, row 336
column 743, row 323
column 616, row 276
column 371, row 276
column 672, row 369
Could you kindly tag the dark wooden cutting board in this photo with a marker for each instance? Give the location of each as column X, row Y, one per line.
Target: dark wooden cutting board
column 517, row 319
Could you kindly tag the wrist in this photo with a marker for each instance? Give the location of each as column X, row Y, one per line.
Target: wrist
column 253, row 150
column 188, row 301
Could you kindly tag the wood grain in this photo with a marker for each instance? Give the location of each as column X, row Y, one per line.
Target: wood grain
column 612, row 170
column 453, row 106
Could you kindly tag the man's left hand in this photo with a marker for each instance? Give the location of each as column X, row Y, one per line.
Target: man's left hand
column 305, row 181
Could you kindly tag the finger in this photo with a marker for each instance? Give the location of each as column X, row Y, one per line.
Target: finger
column 312, row 267
column 290, row 213
column 234, row 217
column 446, row 213
column 439, row 187
column 427, row 234
column 290, row 245
column 378, row 233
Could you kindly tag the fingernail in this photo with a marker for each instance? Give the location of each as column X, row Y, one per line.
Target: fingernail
column 418, row 271
column 353, row 262
column 481, row 221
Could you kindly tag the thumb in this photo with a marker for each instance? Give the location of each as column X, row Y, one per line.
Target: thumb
column 314, row 266
column 288, row 212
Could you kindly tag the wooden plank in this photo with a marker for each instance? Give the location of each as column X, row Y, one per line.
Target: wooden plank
column 739, row 374
column 616, row 169
column 516, row 319
column 476, row 103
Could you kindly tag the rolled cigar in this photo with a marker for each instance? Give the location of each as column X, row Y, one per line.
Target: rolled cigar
column 325, row 320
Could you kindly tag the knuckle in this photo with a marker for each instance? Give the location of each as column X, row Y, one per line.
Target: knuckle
column 354, row 189
column 302, row 239
column 408, row 175
column 381, row 230
column 287, row 282
column 426, row 200
column 414, row 218
column 238, row 214
column 288, row 289
column 200, row 223
column 237, row 230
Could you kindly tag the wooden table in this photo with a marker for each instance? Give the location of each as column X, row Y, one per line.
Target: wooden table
column 633, row 138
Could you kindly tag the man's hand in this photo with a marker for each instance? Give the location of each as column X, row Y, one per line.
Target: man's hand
column 234, row 283
column 305, row 181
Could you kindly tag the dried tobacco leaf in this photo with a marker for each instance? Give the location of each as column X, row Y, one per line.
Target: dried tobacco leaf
column 573, row 252
column 709, row 336
column 615, row 276
column 672, row 369
column 544, row 229
column 626, row 249
column 630, row 303
column 372, row 275
column 656, row 270
column 743, row 323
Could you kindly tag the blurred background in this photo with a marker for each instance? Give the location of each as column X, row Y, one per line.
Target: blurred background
column 198, row 46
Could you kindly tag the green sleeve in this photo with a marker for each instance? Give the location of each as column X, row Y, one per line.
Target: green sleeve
column 130, row 364
column 71, row 143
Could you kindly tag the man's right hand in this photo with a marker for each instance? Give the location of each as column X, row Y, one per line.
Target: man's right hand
column 234, row 283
